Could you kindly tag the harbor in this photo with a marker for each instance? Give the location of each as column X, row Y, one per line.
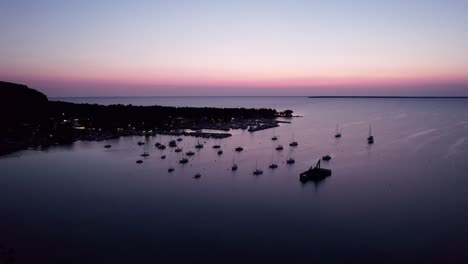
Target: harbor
column 85, row 185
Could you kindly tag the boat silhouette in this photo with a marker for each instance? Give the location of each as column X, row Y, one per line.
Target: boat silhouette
column 239, row 149
column 370, row 138
column 337, row 134
column 315, row 174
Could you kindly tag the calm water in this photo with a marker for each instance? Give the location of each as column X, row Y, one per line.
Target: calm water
column 402, row 200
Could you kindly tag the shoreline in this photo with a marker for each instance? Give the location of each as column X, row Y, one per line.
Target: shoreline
column 39, row 123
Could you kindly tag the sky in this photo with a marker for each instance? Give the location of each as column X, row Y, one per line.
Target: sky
column 213, row 47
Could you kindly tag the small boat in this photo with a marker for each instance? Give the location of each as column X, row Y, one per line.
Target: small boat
column 140, row 143
column 338, row 134
column 197, row 176
column 257, row 171
column 279, row 147
column 108, row 146
column 293, row 143
column 220, row 152
column 239, row 149
column 290, row 160
column 273, row 165
column 190, row 153
column 178, row 150
column 370, row 139
column 314, row 174
column 163, row 156
column 172, row 144
column 145, row 154
column 139, row 161
column 179, row 139
column 216, row 146
column 170, row 169
column 161, row 147
column 199, row 145
column 234, row 165
column 183, row 161
column 326, row 158
column 274, row 138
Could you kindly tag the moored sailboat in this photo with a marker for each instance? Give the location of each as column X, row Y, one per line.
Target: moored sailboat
column 338, row 133
column 370, row 138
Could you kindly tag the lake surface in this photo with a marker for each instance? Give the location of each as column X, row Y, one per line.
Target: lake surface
column 403, row 199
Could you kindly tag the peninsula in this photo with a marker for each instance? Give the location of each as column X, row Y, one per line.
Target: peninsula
column 29, row 119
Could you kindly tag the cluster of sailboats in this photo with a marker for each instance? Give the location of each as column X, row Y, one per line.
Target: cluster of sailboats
column 173, row 144
column 273, row 165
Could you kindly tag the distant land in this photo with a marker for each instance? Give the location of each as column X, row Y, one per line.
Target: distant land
column 389, row 97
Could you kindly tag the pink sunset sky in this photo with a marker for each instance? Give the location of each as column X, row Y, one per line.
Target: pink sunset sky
column 152, row 48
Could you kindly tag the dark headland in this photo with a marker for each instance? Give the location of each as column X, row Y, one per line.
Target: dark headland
column 29, row 120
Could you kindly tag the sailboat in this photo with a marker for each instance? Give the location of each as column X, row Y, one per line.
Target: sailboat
column 274, row 138
column 338, row 134
column 293, row 143
column 199, row 145
column 291, row 160
column 234, row 165
column 370, row 138
column 161, row 146
column 217, row 146
column 273, row 165
column 159, row 142
column 257, row 171
column 171, row 167
column 172, row 144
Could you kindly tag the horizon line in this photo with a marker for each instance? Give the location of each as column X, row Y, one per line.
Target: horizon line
column 307, row 96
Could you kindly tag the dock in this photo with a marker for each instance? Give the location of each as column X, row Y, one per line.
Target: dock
column 315, row 174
